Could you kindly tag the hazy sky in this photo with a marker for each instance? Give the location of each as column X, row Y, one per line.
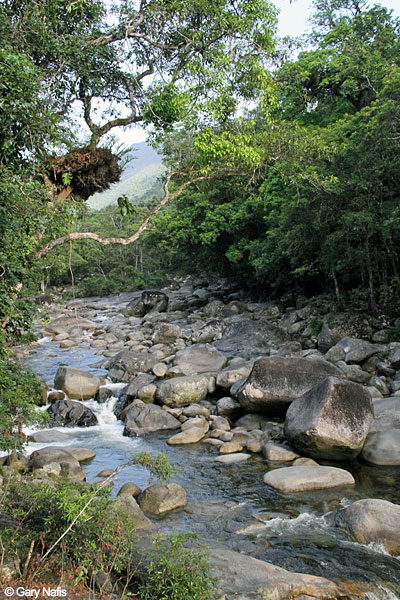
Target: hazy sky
column 293, row 16
column 292, row 21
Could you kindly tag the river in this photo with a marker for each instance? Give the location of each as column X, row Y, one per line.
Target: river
column 222, row 500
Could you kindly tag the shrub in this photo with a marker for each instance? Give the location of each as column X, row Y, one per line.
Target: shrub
column 20, row 390
column 177, row 570
column 45, row 511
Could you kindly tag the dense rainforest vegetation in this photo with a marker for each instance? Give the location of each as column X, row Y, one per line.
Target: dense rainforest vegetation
column 300, row 190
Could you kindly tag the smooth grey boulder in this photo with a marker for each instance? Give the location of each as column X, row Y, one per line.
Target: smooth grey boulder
column 51, row 454
column 144, row 418
column 62, row 324
column 70, row 413
column 276, row 381
column 242, row 577
column 394, row 357
column 49, row 435
column 250, row 338
column 300, row 479
column 127, row 364
column 200, row 358
column 166, row 333
column 230, row 375
column 126, row 507
column 162, row 498
column 149, row 300
column 382, row 448
column 209, row 332
column 331, row 420
column 182, row 391
column 228, row 407
column 278, row 453
column 372, row 520
column 77, row 384
column 356, row 350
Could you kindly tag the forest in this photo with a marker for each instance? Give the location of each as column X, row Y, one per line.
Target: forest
column 282, row 154
column 281, row 174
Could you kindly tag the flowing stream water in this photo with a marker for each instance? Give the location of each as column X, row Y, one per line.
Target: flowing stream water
column 222, row 500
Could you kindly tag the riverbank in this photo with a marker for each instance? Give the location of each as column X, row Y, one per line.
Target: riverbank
column 226, row 502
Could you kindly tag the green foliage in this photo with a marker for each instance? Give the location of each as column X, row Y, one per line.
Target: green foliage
column 20, row 390
column 44, row 511
column 178, row 570
column 159, row 467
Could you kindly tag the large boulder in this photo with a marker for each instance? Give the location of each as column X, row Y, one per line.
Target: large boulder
column 166, row 333
column 70, row 413
column 200, row 358
column 382, row 448
column 276, row 381
column 63, row 324
column 356, row 350
column 182, row 391
column 127, row 364
column 51, row 454
column 250, row 338
column 144, row 418
column 242, row 577
column 149, row 300
column 331, row 420
column 77, row 384
column 161, row 498
column 232, row 374
column 372, row 520
column 300, row 479
column 209, row 332
column 126, row 507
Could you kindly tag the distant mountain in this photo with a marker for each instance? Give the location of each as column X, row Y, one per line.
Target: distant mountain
column 138, row 180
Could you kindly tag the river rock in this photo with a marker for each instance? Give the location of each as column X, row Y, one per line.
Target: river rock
column 144, row 418
column 242, row 577
column 331, row 420
column 182, row 391
column 125, row 506
column 278, row 453
column 275, row 382
column 200, row 358
column 209, row 332
column 49, row 435
column 230, row 459
column 299, row 479
column 51, row 454
column 149, row 300
column 162, row 498
column 166, row 333
column 81, row 454
column 196, row 410
column 127, row 364
column 356, row 350
column 382, row 448
column 77, row 384
column 70, row 413
column 228, row 407
column 63, row 324
column 372, row 520
column 230, row 448
column 249, row 338
column 230, row 375
column 191, row 435
column 131, row 489
column 394, row 357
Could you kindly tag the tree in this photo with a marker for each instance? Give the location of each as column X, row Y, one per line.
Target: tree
column 73, row 70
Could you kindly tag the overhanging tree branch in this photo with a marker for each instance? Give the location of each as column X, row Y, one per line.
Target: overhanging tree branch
column 87, row 235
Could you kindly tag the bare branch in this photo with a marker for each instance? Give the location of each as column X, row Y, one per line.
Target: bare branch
column 87, row 235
